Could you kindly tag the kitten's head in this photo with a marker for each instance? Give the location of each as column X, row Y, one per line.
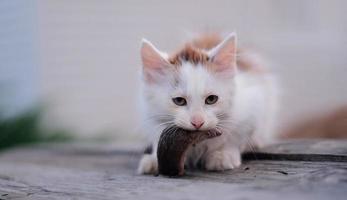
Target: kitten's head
column 193, row 89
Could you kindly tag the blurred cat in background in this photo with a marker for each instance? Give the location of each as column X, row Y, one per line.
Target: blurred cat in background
column 328, row 124
column 208, row 84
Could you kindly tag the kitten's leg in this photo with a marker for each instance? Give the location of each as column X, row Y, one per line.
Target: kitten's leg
column 148, row 163
column 223, row 159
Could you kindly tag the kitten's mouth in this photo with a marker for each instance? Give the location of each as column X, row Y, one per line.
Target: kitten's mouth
column 214, row 131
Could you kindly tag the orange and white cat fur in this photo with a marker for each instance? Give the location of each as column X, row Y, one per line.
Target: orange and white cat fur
column 208, row 84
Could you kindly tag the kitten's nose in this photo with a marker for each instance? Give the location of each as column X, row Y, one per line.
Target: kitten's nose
column 197, row 122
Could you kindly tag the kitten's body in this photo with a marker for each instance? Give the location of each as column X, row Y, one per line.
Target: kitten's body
column 244, row 111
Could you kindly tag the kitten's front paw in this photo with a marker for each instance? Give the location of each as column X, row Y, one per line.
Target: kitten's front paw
column 223, row 160
column 148, row 165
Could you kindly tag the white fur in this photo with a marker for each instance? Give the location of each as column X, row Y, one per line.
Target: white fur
column 250, row 101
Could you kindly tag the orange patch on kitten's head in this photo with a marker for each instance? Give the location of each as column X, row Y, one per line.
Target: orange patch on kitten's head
column 195, row 51
column 189, row 54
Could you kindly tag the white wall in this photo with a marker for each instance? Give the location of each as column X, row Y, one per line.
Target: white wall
column 89, row 58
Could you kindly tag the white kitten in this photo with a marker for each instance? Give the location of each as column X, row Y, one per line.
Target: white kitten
column 206, row 86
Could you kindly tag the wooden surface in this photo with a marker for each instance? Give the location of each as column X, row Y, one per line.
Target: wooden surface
column 292, row 170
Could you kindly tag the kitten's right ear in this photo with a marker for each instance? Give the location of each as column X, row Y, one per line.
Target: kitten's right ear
column 153, row 62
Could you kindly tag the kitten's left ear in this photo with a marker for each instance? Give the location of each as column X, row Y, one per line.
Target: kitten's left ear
column 223, row 56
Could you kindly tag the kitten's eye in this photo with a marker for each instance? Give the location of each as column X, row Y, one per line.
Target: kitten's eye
column 212, row 99
column 180, row 101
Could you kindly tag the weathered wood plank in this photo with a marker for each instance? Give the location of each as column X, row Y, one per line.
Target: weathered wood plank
column 85, row 172
column 324, row 147
column 303, row 150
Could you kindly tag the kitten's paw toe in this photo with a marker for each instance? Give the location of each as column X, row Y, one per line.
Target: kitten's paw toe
column 148, row 165
column 223, row 160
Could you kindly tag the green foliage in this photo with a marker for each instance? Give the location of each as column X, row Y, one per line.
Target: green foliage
column 25, row 129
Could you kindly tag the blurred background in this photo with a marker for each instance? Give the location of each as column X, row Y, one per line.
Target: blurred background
column 70, row 69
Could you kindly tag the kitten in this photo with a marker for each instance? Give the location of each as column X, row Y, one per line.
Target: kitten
column 208, row 84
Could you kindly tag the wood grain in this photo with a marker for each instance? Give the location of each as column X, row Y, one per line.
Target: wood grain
column 94, row 172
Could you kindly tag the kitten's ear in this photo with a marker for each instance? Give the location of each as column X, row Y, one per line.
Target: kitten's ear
column 223, row 56
column 153, row 62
